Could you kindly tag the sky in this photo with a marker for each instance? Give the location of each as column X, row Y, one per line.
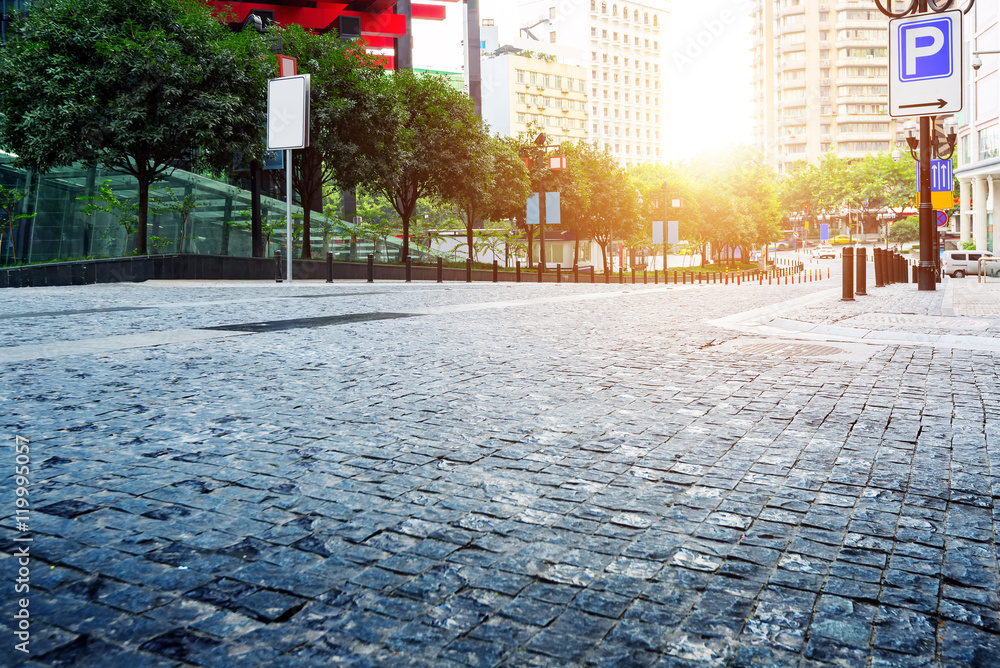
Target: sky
column 708, row 60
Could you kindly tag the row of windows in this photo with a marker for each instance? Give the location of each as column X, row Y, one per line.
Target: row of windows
column 617, row 132
column 863, row 52
column 545, row 102
column 625, row 62
column 551, row 81
column 625, row 38
column 627, row 96
column 544, row 121
column 617, row 78
column 628, row 114
column 624, row 14
column 617, row 148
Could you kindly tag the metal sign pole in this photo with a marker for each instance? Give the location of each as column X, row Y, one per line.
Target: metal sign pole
column 288, row 212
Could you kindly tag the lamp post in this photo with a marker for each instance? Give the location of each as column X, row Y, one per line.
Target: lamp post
column 923, row 145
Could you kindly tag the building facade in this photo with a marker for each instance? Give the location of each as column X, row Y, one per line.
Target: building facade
column 622, row 46
column 522, row 89
column 978, row 150
column 820, row 80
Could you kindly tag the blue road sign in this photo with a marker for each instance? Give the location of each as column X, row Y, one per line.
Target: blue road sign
column 925, row 64
column 942, row 178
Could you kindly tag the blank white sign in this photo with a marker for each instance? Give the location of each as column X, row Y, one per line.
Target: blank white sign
column 288, row 113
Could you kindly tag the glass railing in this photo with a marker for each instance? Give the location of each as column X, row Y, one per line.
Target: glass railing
column 217, row 225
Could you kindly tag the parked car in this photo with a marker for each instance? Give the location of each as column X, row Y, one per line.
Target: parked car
column 841, row 239
column 824, row 251
column 959, row 263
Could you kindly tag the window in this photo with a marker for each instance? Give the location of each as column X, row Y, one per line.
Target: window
column 655, row 23
column 593, row 31
column 520, row 118
column 552, row 37
column 635, row 16
column 593, row 55
column 552, row 12
column 520, row 98
column 604, row 34
column 645, row 18
column 614, row 10
column 520, row 76
column 604, row 8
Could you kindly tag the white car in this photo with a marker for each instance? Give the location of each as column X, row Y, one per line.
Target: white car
column 825, row 252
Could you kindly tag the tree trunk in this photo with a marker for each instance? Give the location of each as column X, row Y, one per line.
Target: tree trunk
column 468, row 235
column 140, row 237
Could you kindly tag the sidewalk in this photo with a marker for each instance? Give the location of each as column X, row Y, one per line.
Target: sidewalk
column 512, row 475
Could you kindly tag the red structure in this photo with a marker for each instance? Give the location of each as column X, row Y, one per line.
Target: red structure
column 379, row 23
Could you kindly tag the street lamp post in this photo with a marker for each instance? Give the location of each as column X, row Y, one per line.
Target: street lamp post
column 928, row 229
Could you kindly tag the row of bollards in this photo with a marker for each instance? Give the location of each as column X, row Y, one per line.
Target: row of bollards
column 890, row 267
column 774, row 275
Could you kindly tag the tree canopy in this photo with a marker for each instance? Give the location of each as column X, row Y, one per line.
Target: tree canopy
column 137, row 86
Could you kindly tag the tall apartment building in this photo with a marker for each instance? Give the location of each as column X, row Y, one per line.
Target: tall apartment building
column 622, row 44
column 820, row 79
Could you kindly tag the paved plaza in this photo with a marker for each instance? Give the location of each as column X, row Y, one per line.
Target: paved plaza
column 389, row 474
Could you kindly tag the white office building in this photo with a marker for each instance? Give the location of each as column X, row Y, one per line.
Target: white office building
column 978, row 151
column 621, row 46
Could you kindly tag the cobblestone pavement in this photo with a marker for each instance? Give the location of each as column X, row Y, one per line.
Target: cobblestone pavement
column 480, row 475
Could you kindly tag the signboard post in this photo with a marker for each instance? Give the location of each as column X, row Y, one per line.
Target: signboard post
column 925, row 79
column 288, row 129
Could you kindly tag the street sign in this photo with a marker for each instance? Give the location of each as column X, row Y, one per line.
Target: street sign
column 824, row 232
column 557, row 162
column 925, row 65
column 553, row 211
column 942, row 218
column 288, row 113
column 942, row 184
column 673, row 232
column 657, row 232
column 531, row 215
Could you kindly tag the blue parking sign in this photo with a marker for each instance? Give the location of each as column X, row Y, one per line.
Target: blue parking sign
column 925, row 49
column 925, row 65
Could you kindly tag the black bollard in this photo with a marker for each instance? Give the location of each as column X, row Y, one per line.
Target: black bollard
column 468, row 270
column 633, row 275
column 665, row 276
column 496, row 271
column 862, row 275
column 277, row 266
column 576, row 273
column 848, row 291
column 877, row 257
column 915, row 269
column 371, row 268
column 644, row 279
column 558, row 273
column 539, row 265
column 621, row 275
column 593, row 275
column 409, row 266
column 517, row 272
column 440, row 270
column 329, row 268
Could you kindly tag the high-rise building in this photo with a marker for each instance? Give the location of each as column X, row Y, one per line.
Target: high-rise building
column 820, row 79
column 621, row 45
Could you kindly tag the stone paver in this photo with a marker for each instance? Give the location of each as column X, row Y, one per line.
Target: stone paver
column 510, row 475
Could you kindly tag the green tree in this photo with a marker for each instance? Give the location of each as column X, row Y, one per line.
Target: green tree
column 430, row 159
column 353, row 117
column 905, row 231
column 134, row 85
column 495, row 183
